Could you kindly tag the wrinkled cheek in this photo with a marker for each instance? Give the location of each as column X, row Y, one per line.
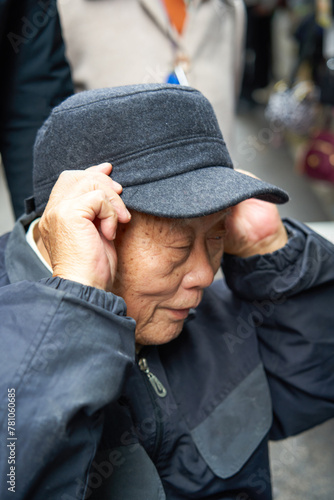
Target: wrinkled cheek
column 158, row 331
column 142, row 313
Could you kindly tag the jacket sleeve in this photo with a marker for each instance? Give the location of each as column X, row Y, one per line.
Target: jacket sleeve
column 290, row 294
column 65, row 351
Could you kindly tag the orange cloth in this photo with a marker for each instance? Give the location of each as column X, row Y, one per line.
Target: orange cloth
column 177, row 13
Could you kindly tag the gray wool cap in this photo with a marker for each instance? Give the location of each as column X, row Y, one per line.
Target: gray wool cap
column 163, row 141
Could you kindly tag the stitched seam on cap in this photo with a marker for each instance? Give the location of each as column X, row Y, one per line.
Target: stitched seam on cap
column 190, row 140
column 143, row 152
column 171, row 175
column 116, row 96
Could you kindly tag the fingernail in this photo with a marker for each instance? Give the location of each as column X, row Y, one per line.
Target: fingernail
column 105, row 164
column 129, row 215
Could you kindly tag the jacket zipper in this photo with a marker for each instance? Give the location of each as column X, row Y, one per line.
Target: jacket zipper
column 153, row 383
column 158, row 387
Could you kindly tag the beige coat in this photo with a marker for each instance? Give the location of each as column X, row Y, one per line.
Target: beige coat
column 119, row 42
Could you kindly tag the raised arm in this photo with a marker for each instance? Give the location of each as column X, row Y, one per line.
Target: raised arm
column 66, row 345
column 288, row 284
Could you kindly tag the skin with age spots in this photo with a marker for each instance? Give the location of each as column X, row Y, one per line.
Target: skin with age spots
column 163, row 267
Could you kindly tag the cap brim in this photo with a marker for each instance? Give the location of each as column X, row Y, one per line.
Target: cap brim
column 199, row 192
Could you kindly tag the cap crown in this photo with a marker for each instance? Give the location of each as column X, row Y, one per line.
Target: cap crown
column 148, row 132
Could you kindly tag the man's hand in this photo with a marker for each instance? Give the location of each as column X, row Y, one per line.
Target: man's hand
column 79, row 225
column 254, row 227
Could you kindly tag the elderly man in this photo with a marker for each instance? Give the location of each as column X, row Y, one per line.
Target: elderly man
column 128, row 374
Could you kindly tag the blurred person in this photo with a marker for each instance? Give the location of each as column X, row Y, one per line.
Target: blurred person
column 35, row 78
column 117, row 42
column 132, row 374
column 258, row 51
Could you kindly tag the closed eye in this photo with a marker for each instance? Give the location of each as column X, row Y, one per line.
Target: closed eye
column 183, row 245
column 181, row 253
column 180, row 248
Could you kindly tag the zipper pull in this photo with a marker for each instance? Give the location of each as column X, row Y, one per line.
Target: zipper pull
column 159, row 389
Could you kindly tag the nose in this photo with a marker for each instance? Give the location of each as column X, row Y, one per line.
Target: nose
column 200, row 273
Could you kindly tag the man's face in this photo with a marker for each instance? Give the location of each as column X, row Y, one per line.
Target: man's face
column 163, row 267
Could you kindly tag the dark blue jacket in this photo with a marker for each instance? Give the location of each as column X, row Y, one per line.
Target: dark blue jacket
column 189, row 419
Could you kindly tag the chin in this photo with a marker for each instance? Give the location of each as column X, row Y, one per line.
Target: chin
column 146, row 337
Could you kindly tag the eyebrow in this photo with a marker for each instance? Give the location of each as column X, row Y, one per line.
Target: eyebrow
column 224, row 214
column 182, row 228
column 180, row 224
column 183, row 224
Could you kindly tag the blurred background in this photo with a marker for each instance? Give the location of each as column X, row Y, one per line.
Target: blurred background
column 272, row 85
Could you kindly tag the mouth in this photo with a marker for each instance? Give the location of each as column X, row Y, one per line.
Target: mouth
column 178, row 314
column 183, row 312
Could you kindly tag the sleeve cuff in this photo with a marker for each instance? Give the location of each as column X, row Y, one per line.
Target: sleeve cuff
column 94, row 296
column 253, row 277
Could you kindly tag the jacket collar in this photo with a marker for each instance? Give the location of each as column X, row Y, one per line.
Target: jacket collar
column 21, row 261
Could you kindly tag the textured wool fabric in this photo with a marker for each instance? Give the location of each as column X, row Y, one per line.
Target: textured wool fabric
column 163, row 141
